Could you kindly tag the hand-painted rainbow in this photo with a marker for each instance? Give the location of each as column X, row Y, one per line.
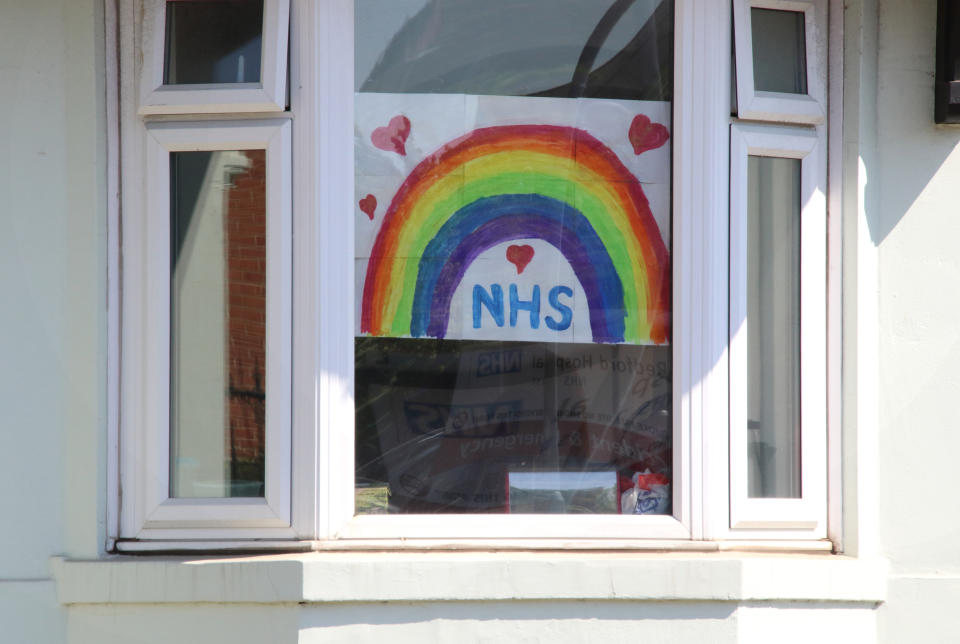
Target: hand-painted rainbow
column 497, row 184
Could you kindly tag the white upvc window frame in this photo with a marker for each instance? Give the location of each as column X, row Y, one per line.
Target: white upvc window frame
column 150, row 511
column 320, row 451
column 267, row 95
column 804, row 516
column 809, row 108
column 699, row 176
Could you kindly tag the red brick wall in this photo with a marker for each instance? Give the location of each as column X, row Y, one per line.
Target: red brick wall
column 246, row 259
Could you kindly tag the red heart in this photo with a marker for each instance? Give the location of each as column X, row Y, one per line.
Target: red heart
column 519, row 256
column 645, row 135
column 369, row 205
column 393, row 135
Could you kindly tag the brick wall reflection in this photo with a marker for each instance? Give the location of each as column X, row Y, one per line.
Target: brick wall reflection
column 246, row 319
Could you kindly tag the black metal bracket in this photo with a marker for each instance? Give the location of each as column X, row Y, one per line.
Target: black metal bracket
column 947, row 88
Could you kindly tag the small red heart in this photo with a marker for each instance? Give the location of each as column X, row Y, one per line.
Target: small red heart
column 519, row 256
column 369, row 205
column 645, row 135
column 393, row 135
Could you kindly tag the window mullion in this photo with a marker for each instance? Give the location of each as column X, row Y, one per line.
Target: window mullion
column 325, row 104
column 700, row 256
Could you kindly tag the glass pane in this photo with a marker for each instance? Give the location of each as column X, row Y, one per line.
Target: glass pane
column 779, row 51
column 217, row 323
column 773, row 324
column 214, row 41
column 513, row 264
column 564, row 48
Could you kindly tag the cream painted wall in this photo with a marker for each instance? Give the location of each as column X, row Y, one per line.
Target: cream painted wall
column 440, row 622
column 52, row 276
column 525, row 622
column 915, row 223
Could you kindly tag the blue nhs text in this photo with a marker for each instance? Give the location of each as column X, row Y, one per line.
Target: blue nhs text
column 493, row 301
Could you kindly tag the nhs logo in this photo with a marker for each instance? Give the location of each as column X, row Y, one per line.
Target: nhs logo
column 536, row 297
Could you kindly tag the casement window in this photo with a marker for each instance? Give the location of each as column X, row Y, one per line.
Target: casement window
column 778, row 267
column 454, row 272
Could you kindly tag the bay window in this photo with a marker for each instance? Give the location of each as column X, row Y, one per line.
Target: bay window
column 483, row 273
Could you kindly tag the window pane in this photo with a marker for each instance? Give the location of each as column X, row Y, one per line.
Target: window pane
column 217, row 323
column 215, row 41
column 563, row 48
column 513, row 265
column 773, row 324
column 779, row 51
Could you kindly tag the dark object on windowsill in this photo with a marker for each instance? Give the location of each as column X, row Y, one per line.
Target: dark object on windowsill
column 947, row 89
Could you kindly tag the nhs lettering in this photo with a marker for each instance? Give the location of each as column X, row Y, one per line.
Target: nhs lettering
column 543, row 302
column 493, row 300
column 521, row 256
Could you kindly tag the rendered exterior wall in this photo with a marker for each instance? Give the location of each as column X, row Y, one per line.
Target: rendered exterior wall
column 525, row 622
column 53, row 319
column 914, row 222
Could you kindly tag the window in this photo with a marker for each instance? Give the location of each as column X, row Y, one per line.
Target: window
column 777, row 313
column 476, row 279
column 212, row 56
column 512, row 352
column 778, row 260
column 781, row 72
column 207, row 284
column 216, row 321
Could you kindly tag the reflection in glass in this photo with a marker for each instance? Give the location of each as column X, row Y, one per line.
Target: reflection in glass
column 773, row 323
column 528, row 142
column 442, row 424
column 215, row 41
column 564, row 48
column 779, row 51
column 217, row 323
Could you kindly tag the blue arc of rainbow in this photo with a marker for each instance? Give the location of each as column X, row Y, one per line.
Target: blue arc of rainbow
column 488, row 222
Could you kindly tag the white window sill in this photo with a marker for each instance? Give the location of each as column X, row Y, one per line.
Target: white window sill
column 471, row 576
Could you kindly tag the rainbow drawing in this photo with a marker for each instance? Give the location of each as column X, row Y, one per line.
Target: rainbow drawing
column 496, row 184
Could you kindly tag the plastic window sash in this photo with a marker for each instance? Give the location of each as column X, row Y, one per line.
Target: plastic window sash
column 269, row 95
column 804, row 515
column 146, row 338
column 809, row 108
